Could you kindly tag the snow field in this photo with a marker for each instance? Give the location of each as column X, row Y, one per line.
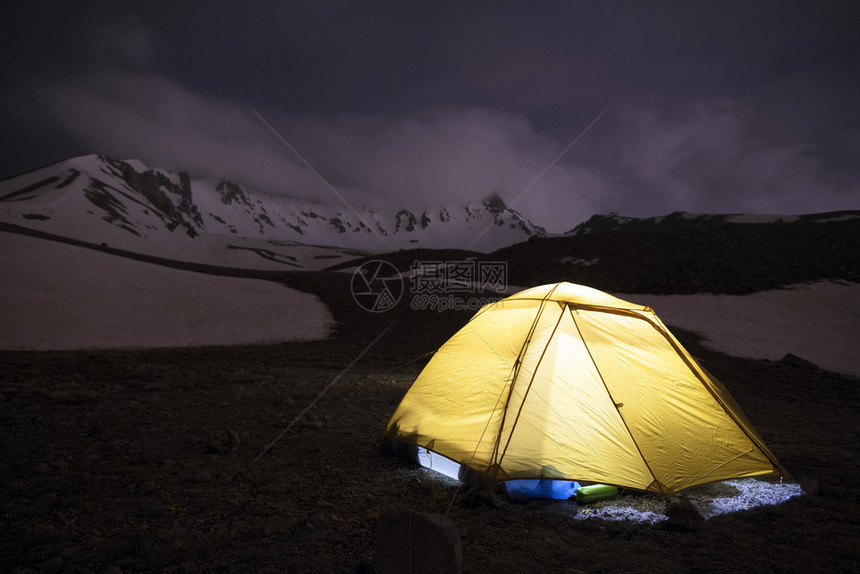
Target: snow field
column 57, row 296
column 818, row 322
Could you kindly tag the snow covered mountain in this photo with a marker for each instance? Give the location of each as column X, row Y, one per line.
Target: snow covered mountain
column 133, row 206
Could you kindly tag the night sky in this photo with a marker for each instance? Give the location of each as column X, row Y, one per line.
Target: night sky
column 710, row 107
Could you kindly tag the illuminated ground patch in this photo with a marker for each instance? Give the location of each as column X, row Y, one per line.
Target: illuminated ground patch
column 710, row 499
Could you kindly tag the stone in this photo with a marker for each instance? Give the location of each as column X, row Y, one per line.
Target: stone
column 794, row 360
column 202, row 476
column 682, row 514
column 319, row 520
column 830, row 486
column 71, row 551
column 809, row 484
column 51, row 566
column 233, row 436
column 211, row 446
column 484, row 493
column 411, row 541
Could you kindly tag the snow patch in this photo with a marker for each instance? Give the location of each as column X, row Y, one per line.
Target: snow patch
column 578, row 261
column 819, row 322
column 58, row 296
column 845, row 217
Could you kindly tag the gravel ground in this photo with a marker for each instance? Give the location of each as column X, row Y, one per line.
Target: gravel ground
column 149, row 461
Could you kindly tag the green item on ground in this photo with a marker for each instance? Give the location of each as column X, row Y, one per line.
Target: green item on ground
column 595, row 492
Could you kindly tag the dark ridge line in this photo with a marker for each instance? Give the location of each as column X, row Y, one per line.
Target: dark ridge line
column 29, row 188
column 164, row 262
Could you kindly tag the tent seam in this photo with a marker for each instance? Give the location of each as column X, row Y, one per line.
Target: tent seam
column 528, row 388
column 694, row 367
column 697, row 370
column 615, row 404
column 517, row 365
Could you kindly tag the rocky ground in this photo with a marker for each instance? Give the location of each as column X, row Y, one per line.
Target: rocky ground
column 178, row 461
column 151, row 461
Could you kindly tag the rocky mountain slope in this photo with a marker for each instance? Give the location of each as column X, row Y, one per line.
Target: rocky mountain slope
column 689, row 253
column 131, row 205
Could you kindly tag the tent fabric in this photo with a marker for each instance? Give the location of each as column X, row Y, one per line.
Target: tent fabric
column 597, row 388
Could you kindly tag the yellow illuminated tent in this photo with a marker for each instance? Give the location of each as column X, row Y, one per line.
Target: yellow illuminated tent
column 595, row 389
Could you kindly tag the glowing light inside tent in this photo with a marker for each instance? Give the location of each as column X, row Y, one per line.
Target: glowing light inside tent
column 439, row 463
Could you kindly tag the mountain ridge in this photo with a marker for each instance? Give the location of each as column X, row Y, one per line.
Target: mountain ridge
column 691, row 253
column 131, row 207
column 600, row 223
column 142, row 200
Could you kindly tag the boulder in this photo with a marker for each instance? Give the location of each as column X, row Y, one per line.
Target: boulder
column 795, row 361
column 483, row 493
column 810, row 485
column 682, row 514
column 411, row 541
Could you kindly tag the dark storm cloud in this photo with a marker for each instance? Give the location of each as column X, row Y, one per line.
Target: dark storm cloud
column 150, row 117
column 706, row 157
column 713, row 107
